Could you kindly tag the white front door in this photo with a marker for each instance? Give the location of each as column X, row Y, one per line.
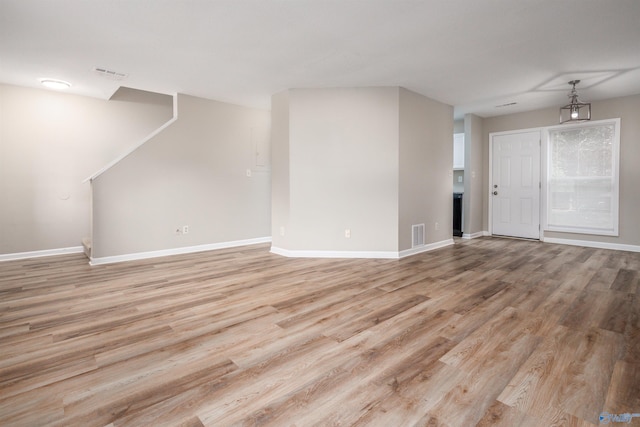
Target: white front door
column 515, row 184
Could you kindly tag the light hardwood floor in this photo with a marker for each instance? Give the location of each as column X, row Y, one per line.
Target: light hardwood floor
column 485, row 332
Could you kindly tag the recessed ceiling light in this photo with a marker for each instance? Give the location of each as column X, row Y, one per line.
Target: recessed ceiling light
column 55, row 84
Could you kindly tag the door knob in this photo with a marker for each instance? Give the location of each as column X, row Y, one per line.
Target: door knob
column 495, row 193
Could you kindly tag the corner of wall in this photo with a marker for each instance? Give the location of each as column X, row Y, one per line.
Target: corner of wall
column 195, row 181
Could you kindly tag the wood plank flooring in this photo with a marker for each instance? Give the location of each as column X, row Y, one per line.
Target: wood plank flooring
column 488, row 332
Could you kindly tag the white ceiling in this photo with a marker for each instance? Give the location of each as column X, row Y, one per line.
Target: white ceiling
column 472, row 54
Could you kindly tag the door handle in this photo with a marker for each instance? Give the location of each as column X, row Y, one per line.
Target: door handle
column 495, row 193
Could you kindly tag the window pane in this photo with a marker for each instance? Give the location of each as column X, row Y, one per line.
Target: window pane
column 581, row 178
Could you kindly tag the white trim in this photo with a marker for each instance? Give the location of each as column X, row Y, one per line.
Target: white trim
column 333, row 254
column 177, row 251
column 43, row 253
column 425, row 248
column 584, row 230
column 510, row 132
column 360, row 254
column 541, row 165
column 592, row 244
column 489, row 199
column 468, row 236
column 139, row 144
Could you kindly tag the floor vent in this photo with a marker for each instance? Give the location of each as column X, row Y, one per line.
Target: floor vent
column 417, row 235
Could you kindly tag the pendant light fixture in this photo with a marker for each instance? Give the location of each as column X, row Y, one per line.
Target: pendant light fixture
column 575, row 111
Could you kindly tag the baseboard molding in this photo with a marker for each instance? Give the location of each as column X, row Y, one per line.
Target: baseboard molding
column 359, row 254
column 426, row 248
column 333, row 254
column 177, row 251
column 468, row 236
column 592, row 244
column 43, row 253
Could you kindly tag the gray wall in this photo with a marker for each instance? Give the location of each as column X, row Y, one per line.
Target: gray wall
column 458, row 126
column 193, row 173
column 458, row 187
column 49, row 143
column 628, row 110
column 280, row 194
column 370, row 160
column 426, row 159
column 343, row 170
column 473, row 167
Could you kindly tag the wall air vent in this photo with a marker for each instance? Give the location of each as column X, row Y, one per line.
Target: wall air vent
column 110, row 74
column 417, row 235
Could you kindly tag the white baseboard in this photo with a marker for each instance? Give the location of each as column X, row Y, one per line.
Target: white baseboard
column 425, row 248
column 177, row 251
column 468, row 236
column 43, row 253
column 333, row 254
column 592, row 244
column 359, row 254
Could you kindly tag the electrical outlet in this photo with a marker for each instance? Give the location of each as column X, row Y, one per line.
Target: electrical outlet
column 185, row 229
column 249, row 172
column 282, row 231
column 347, row 233
column 437, row 226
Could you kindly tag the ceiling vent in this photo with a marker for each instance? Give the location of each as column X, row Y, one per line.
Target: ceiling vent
column 110, row 74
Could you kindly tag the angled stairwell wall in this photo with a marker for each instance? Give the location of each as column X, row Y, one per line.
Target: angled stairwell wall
column 49, row 143
column 201, row 182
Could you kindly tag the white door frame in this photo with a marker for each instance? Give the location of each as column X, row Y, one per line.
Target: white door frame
column 542, row 194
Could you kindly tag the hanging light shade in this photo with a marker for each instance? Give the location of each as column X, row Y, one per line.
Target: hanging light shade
column 575, row 111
